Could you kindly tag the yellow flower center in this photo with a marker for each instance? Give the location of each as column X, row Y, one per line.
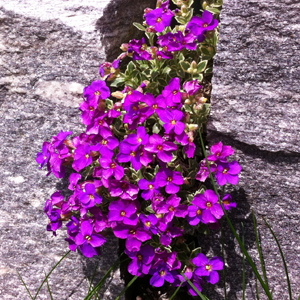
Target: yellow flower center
column 113, row 165
column 158, row 20
column 98, row 93
column 225, row 171
column 86, row 156
column 175, row 92
column 208, row 268
column 148, row 223
column 123, row 213
column 170, row 179
column 92, row 197
column 140, row 257
column 208, row 204
column 199, row 212
column 160, row 147
column 151, row 186
column 173, row 122
column 205, row 25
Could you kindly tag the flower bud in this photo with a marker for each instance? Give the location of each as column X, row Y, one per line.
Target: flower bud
column 118, row 105
column 118, row 95
column 177, row 12
column 154, row 50
column 151, row 29
column 124, row 47
column 184, row 9
column 179, row 3
column 193, row 127
column 147, row 10
column 188, row 102
column 158, row 3
column 204, row 5
column 194, row 65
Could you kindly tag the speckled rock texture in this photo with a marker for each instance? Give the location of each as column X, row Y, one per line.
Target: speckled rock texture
column 49, row 50
column 255, row 109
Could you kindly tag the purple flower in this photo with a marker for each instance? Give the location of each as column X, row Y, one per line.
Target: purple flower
column 153, row 104
column 73, row 225
column 208, row 203
column 123, row 211
column 162, row 274
column 162, row 149
column 107, row 146
column 150, row 188
column 227, row 202
column 138, row 48
column 134, row 236
column 88, row 241
column 172, row 92
column 58, row 140
column 170, row 179
column 198, row 26
column 141, row 260
column 140, row 138
column 209, row 268
column 149, row 222
column 172, row 120
column 82, row 157
column 111, row 168
column 99, row 126
column 88, row 197
column 169, row 233
column 96, row 91
column 129, row 153
column 74, row 178
column 203, row 173
column 171, row 208
column 192, row 87
column 43, row 157
column 123, row 189
column 220, row 152
column 159, row 19
column 228, row 172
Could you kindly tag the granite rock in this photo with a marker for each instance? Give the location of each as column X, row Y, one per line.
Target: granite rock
column 49, row 50
column 255, row 109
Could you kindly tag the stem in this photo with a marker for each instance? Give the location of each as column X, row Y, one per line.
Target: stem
column 223, row 254
column 232, row 227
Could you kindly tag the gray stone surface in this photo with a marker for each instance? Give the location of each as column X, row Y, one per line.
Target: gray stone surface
column 255, row 108
column 49, row 50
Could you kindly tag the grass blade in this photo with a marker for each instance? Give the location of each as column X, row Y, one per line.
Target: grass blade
column 127, row 286
column 232, row 227
column 244, row 270
column 25, row 285
column 49, row 290
column 50, row 274
column 101, row 282
column 93, row 276
column 283, row 259
column 176, row 291
column 223, row 254
column 195, row 289
column 257, row 290
column 259, row 251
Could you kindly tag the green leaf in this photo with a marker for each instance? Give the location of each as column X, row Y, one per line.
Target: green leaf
column 196, row 251
column 128, row 285
column 282, row 257
column 139, row 26
column 213, row 10
column 201, row 66
column 181, row 20
column 118, row 82
column 204, row 51
column 199, row 77
column 194, row 288
column 130, row 68
column 184, row 65
column 156, row 128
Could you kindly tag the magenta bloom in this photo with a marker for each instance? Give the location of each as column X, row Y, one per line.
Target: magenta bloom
column 203, row 173
column 154, row 104
column 141, row 260
column 129, row 153
column 107, row 146
column 172, row 92
column 74, row 178
column 96, row 91
column 172, row 120
column 134, row 236
column 149, row 188
column 149, row 222
column 99, row 126
column 111, row 168
column 209, row 268
column 198, row 26
column 82, row 157
column 43, row 157
column 192, row 87
column 159, row 19
column 162, row 274
column 208, row 203
column 228, row 172
column 88, row 197
column 123, row 211
column 220, row 152
column 172, row 208
column 162, row 149
column 88, row 241
column 123, row 189
column 169, row 233
column 170, row 179
column 227, row 202
column 140, row 138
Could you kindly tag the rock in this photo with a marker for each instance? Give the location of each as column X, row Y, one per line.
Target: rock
column 49, row 50
column 255, row 109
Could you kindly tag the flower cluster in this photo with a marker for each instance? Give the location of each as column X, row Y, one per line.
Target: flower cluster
column 132, row 170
